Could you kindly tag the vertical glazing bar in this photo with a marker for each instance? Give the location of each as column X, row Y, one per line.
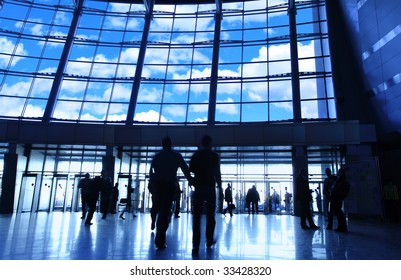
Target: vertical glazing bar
column 296, row 92
column 51, row 103
column 139, row 65
column 215, row 66
column 320, row 67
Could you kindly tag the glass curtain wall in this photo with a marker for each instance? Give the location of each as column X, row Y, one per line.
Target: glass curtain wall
column 254, row 68
column 50, row 180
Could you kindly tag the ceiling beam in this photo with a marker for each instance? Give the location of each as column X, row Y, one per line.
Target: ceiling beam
column 252, row 134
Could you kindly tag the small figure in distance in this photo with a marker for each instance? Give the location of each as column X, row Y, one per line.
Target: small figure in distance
column 287, row 200
column 114, row 199
column 128, row 205
column 228, row 197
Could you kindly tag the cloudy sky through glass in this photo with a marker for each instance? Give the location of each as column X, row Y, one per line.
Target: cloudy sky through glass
column 254, row 81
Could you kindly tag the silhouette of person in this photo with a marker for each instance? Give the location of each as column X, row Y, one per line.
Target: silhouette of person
column 304, row 197
column 85, row 185
column 276, row 200
column 192, row 199
column 105, row 196
column 338, row 193
column 318, row 200
column 135, row 200
column 287, row 200
column 327, row 184
column 205, row 165
column 253, row 198
column 163, row 175
column 114, row 199
column 93, row 196
column 391, row 197
column 177, row 201
column 128, row 205
column 228, row 197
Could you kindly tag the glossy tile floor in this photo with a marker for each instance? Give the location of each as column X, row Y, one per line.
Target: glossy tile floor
column 63, row 236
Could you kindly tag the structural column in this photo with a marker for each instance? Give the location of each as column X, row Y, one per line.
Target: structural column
column 299, row 161
column 296, row 92
column 215, row 66
column 9, row 181
column 108, row 163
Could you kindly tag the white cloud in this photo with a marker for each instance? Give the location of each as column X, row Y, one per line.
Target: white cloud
column 204, row 119
column 120, row 92
column 11, row 106
column 129, row 55
column 7, row 47
column 63, row 18
column 149, row 95
column 102, row 66
column 32, row 111
column 69, row 110
column 254, row 5
column 150, row 116
column 41, row 88
column 117, row 117
column 199, row 108
column 229, row 108
column 37, row 29
column 175, row 110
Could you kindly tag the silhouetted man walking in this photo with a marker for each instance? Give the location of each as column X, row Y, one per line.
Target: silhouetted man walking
column 205, row 164
column 163, row 177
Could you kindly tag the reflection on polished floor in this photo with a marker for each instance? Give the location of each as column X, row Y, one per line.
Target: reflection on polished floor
column 63, row 236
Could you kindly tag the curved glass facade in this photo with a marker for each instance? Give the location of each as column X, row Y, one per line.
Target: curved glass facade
column 99, row 61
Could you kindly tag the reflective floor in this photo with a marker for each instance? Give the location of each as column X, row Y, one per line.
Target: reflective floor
column 63, row 236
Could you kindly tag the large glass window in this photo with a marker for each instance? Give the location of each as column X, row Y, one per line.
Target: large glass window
column 254, row 62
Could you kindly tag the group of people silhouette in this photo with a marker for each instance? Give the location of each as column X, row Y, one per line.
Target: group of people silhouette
column 205, row 167
column 204, row 176
column 90, row 191
column 335, row 190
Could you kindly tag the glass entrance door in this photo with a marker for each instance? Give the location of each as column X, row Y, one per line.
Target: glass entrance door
column 245, row 187
column 61, row 194
column 27, row 193
column 45, row 193
column 77, row 202
column 123, row 185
